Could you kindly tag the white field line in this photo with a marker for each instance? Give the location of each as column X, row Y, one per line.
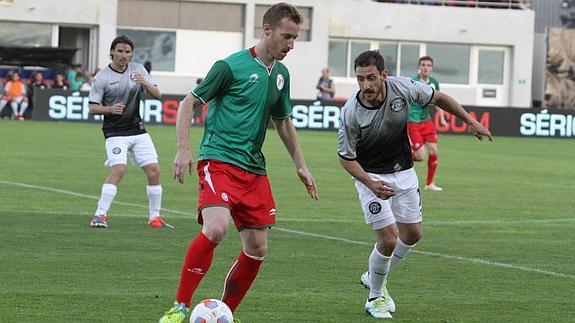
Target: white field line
column 308, row 234
column 428, row 253
column 92, row 197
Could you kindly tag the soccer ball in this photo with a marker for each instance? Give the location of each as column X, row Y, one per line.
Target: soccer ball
column 211, row 311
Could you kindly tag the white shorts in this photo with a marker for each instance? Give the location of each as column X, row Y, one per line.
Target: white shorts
column 404, row 207
column 139, row 148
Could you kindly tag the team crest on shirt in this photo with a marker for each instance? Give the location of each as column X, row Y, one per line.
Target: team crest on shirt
column 225, row 197
column 116, row 150
column 254, row 78
column 280, row 82
column 398, row 104
column 374, row 207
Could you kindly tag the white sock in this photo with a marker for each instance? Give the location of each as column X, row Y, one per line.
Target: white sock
column 378, row 268
column 154, row 200
column 401, row 250
column 14, row 106
column 23, row 107
column 3, row 104
column 108, row 193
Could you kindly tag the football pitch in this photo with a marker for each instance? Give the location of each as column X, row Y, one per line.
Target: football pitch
column 498, row 244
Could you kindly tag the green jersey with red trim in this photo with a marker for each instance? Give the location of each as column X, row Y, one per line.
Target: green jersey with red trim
column 418, row 113
column 243, row 94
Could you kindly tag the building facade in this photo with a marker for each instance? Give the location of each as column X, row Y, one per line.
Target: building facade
column 483, row 56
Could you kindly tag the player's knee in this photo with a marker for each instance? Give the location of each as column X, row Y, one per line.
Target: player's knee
column 116, row 174
column 413, row 237
column 386, row 243
column 257, row 250
column 215, row 232
column 153, row 172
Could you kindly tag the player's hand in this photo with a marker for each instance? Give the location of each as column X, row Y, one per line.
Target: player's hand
column 309, row 182
column 443, row 121
column 479, row 131
column 138, row 78
column 118, row 108
column 182, row 162
column 382, row 189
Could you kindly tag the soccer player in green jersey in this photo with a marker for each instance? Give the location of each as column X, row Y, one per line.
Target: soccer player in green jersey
column 420, row 127
column 244, row 90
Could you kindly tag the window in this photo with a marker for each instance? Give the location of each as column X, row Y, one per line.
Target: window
column 25, row 34
column 389, row 52
column 341, row 60
column 337, row 57
column 490, row 67
column 409, row 60
column 305, row 27
column 356, row 49
column 450, row 62
column 158, row 47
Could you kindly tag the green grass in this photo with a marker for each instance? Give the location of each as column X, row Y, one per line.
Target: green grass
column 498, row 243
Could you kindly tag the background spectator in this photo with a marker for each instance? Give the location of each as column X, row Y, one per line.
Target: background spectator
column 325, row 86
column 148, row 66
column 15, row 94
column 60, row 82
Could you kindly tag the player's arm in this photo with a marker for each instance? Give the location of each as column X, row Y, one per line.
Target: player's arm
column 380, row 188
column 153, row 90
column 449, row 104
column 183, row 160
column 116, row 109
column 147, row 82
column 286, row 131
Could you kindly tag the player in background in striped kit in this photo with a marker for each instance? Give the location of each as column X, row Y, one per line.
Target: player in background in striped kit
column 115, row 94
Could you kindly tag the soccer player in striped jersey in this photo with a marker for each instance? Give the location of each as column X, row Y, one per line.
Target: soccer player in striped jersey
column 374, row 148
column 243, row 90
column 116, row 95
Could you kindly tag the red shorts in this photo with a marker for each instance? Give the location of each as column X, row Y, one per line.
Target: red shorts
column 248, row 196
column 420, row 133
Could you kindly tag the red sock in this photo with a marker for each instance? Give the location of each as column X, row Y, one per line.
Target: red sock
column 239, row 279
column 431, row 168
column 196, row 265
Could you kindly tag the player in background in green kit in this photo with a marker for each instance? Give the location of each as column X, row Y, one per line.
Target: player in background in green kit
column 244, row 90
column 420, row 127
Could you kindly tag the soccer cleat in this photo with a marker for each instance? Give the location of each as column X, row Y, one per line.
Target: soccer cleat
column 432, row 187
column 390, row 303
column 237, row 320
column 378, row 308
column 99, row 221
column 176, row 314
column 158, row 222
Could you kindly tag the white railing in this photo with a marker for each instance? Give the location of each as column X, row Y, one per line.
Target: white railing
column 494, row 4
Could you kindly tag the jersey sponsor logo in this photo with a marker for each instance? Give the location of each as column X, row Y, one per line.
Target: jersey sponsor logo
column 398, row 104
column 253, row 78
column 280, row 82
column 116, row 150
column 374, row 207
column 225, row 197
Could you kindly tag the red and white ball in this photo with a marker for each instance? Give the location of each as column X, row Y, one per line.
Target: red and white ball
column 211, row 311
